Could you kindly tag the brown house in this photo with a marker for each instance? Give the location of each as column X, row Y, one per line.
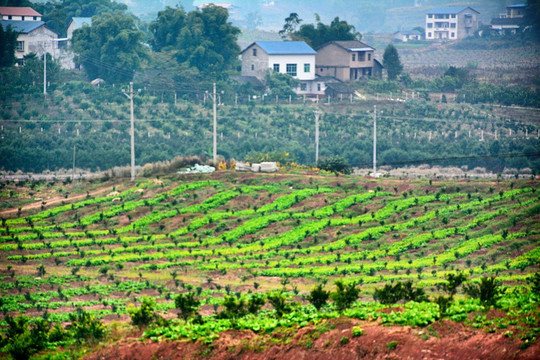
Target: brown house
column 346, row 60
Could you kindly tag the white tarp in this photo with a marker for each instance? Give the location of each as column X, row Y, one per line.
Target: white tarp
column 198, row 169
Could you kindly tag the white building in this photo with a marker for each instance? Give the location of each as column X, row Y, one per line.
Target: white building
column 34, row 37
column 19, row 13
column 295, row 58
column 451, row 23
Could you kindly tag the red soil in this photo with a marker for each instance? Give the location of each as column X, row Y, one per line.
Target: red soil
column 448, row 340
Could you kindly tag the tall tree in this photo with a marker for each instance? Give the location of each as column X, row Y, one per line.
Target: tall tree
column 319, row 34
column 166, row 28
column 391, row 62
column 208, row 41
column 8, row 41
column 111, row 48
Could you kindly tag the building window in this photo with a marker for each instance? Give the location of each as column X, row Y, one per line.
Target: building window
column 429, row 25
column 430, row 16
column 254, row 52
column 353, row 57
column 369, row 57
column 276, row 67
column 453, row 35
column 252, row 67
column 453, row 25
column 428, row 35
column 318, row 86
column 9, row 17
column 291, row 69
column 303, row 86
column 35, row 18
column 322, row 69
column 307, row 68
column 20, row 46
column 361, row 56
column 453, row 16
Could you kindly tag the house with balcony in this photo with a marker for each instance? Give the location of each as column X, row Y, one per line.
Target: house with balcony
column 451, row 23
column 510, row 21
column 34, row 37
column 347, row 60
column 294, row 58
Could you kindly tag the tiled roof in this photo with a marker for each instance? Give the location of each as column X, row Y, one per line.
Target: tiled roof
column 81, row 21
column 350, row 45
column 449, row 10
column 18, row 11
column 23, row 27
column 517, row 6
column 285, row 47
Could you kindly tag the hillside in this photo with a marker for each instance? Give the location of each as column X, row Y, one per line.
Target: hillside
column 100, row 246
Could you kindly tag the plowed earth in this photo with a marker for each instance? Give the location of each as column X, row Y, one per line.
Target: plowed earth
column 442, row 340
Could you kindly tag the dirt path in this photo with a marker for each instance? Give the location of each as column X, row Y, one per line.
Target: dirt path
column 55, row 200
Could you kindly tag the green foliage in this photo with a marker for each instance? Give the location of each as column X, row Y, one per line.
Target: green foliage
column 335, row 164
column 86, row 327
column 281, row 84
column 282, row 157
column 166, row 27
column 235, row 307
column 22, row 338
column 8, row 42
column 255, row 302
column 453, row 281
column 345, row 294
column 391, row 345
column 278, row 299
column 187, row 304
column 391, row 62
column 357, row 331
column 111, row 48
column 144, row 314
column 344, row 340
column 488, row 290
column 318, row 296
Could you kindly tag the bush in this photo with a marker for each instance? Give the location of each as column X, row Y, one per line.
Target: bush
column 187, row 304
column 234, row 307
column 85, row 326
column 279, row 301
column 335, row 164
column 391, row 345
column 344, row 340
column 357, row 331
column 345, row 294
column 22, row 339
column 487, row 291
column 255, row 303
column 318, row 297
column 143, row 315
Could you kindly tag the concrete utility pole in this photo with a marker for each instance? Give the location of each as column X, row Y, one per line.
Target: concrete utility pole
column 73, row 170
column 374, row 140
column 132, row 132
column 215, row 127
column 317, row 114
column 45, row 73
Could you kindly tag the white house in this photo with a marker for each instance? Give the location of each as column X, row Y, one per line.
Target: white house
column 76, row 23
column 406, row 35
column 34, row 37
column 18, row 13
column 451, row 23
column 295, row 58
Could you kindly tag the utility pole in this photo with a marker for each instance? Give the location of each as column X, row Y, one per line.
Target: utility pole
column 317, row 114
column 73, row 171
column 215, row 128
column 45, row 73
column 132, row 132
column 374, row 140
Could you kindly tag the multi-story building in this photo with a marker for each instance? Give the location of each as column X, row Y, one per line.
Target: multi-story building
column 511, row 21
column 19, row 13
column 451, row 23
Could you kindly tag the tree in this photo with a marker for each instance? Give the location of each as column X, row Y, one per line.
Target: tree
column 143, row 315
column 319, row 34
column 391, row 62
column 281, row 84
column 318, row 297
column 166, row 28
column 208, row 42
column 345, row 294
column 111, row 48
column 8, row 42
column 187, row 304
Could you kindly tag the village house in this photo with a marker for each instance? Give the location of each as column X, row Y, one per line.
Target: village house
column 294, row 58
column 19, row 13
column 34, row 37
column 509, row 22
column 406, row 35
column 347, row 60
column 451, row 23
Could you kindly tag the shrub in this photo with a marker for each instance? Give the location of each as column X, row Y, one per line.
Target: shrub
column 22, row 339
column 234, row 307
column 318, row 297
column 488, row 291
column 345, row 294
column 187, row 304
column 279, row 301
column 335, row 164
column 344, row 340
column 357, row 331
column 391, row 345
column 85, row 326
column 255, row 303
column 144, row 314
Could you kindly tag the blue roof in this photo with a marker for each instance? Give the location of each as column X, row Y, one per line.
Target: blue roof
column 517, row 6
column 23, row 27
column 81, row 21
column 285, row 47
column 449, row 10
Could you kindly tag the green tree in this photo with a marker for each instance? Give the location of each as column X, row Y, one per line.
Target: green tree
column 143, row 315
column 187, row 304
column 22, row 339
column 166, row 28
column 208, row 42
column 291, row 23
column 345, row 294
column 111, row 48
column 8, row 41
column 318, row 296
column 391, row 62
column 281, row 84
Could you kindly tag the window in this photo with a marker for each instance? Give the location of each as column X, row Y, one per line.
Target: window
column 361, row 56
column 254, row 52
column 35, row 18
column 9, row 17
column 303, row 86
column 453, row 16
column 430, row 16
column 322, row 69
column 353, row 57
column 20, row 46
column 428, row 35
column 276, row 67
column 291, row 69
column 252, row 67
column 429, row 25
column 453, row 35
column 318, row 86
column 307, row 68
column 369, row 57
column 453, row 25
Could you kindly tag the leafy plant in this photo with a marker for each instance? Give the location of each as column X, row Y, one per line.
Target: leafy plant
column 345, row 294
column 187, row 304
column 488, row 290
column 86, row 327
column 279, row 301
column 318, row 296
column 144, row 314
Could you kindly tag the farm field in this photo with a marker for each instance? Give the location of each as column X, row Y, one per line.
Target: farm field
column 231, row 240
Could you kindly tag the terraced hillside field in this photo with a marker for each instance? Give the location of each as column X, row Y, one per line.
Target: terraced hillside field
column 230, row 236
